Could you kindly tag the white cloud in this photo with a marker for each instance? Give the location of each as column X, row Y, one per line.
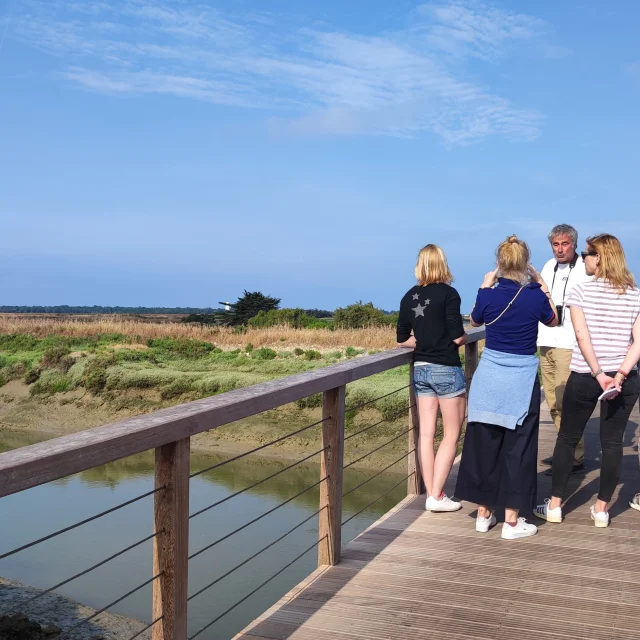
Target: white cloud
column 312, row 81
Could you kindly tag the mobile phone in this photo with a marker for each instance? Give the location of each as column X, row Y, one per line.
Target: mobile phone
column 609, row 393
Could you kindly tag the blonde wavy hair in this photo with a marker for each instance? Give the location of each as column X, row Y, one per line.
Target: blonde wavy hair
column 432, row 266
column 613, row 264
column 513, row 257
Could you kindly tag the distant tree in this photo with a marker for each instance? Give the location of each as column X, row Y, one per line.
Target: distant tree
column 357, row 316
column 200, row 318
column 318, row 313
column 250, row 304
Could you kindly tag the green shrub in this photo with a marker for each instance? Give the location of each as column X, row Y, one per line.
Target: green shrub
column 50, row 382
column 358, row 316
column 394, row 407
column 249, row 348
column 310, row 402
column 13, row 371
column 264, row 354
column 177, row 388
column 57, row 357
column 298, row 351
column 31, row 376
column 318, row 323
column 134, row 355
column 240, row 329
column 182, row 348
column 358, row 396
column 335, row 355
column 94, row 378
column 18, row 342
column 350, row 352
column 206, row 386
column 312, row 354
column 294, row 318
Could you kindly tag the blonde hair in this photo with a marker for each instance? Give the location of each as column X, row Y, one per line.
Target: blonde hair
column 432, row 266
column 513, row 259
column 613, row 264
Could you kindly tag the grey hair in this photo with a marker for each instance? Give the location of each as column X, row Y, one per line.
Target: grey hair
column 564, row 230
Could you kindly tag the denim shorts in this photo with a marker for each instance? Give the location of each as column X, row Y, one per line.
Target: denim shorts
column 438, row 381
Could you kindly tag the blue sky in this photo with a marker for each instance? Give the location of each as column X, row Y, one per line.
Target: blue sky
column 177, row 152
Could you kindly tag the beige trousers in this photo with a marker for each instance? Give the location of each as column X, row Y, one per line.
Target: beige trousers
column 554, row 367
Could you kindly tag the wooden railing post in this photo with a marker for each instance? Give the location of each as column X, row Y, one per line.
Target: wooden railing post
column 332, row 458
column 415, row 485
column 171, row 546
column 470, row 361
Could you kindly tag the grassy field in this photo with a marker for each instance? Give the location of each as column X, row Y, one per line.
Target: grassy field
column 59, row 376
column 136, row 331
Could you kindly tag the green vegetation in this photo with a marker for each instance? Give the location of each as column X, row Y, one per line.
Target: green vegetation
column 172, row 370
column 361, row 315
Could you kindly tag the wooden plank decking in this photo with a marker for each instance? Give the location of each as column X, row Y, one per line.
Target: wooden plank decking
column 417, row 575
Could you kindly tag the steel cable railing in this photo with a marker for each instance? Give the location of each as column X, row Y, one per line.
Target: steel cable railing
column 275, row 575
column 368, row 402
column 255, row 555
column 388, row 442
column 376, row 424
column 378, row 473
column 255, row 484
column 357, row 513
column 79, row 524
column 85, row 571
column 147, row 627
column 247, row 524
column 66, row 632
column 260, row 448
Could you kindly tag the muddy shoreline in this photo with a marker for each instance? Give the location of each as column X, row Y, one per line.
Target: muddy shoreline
column 54, row 610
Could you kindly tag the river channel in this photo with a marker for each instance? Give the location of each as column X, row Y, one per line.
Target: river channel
column 42, row 510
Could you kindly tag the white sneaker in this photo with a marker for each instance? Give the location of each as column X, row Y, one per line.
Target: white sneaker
column 600, row 519
column 635, row 503
column 550, row 515
column 484, row 524
column 522, row 530
column 444, row 504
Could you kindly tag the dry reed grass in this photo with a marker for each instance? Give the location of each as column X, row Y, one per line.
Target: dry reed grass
column 223, row 337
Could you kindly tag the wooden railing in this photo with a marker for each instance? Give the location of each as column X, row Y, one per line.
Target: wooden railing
column 168, row 432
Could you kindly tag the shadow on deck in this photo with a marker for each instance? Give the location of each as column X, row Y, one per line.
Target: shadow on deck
column 418, row 575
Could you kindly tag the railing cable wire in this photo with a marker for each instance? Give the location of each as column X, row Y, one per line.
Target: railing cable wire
column 79, row 524
column 365, row 404
column 95, row 566
column 257, row 553
column 378, row 473
column 266, row 513
column 145, row 628
column 255, row 484
column 275, row 575
column 260, row 448
column 346, row 466
column 375, row 424
column 357, row 513
column 120, row 599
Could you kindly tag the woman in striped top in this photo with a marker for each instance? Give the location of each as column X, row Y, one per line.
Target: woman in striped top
column 606, row 315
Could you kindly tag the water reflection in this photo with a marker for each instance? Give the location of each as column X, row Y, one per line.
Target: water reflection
column 29, row 515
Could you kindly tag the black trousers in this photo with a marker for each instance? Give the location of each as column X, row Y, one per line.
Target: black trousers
column 579, row 401
column 499, row 466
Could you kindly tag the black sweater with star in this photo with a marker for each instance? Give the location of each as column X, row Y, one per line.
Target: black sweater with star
column 432, row 314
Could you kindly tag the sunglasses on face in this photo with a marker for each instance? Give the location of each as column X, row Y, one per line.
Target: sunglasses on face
column 584, row 254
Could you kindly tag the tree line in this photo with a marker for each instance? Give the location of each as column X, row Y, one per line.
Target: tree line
column 101, row 309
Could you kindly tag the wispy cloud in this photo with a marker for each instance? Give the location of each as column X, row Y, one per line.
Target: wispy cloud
column 312, row 81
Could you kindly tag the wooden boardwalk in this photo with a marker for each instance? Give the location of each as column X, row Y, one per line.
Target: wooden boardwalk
column 417, row 575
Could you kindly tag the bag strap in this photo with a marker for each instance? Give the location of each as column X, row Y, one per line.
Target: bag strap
column 486, row 324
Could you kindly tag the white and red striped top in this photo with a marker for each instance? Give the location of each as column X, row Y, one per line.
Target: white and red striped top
column 610, row 317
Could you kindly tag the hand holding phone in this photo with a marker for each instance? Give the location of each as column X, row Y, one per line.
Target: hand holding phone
column 610, row 393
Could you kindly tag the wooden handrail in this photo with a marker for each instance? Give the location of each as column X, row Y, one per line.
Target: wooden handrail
column 54, row 459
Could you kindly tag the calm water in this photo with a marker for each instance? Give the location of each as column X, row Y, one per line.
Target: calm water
column 31, row 514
